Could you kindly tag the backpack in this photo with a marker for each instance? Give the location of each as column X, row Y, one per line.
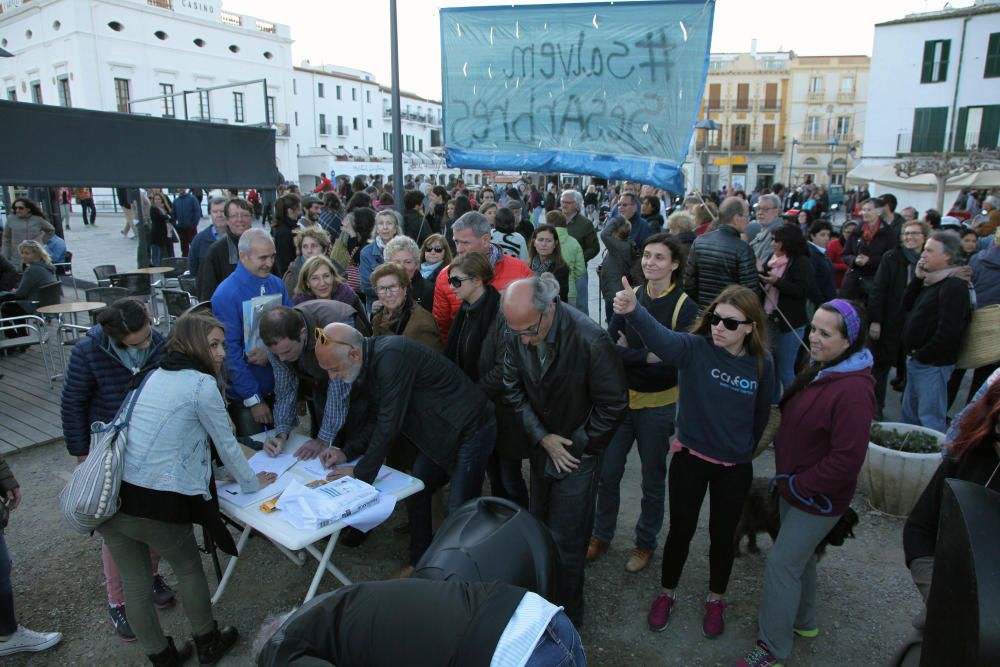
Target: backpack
column 91, row 497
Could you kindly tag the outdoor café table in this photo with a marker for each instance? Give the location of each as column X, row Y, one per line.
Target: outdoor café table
column 70, row 308
column 290, row 540
column 154, row 285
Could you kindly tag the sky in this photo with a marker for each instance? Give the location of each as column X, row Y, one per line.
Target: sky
column 356, row 34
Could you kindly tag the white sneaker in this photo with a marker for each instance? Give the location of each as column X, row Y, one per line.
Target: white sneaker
column 29, row 640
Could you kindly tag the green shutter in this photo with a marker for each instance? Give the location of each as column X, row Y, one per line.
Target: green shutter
column 929, row 129
column 993, row 57
column 927, row 71
column 989, row 131
column 945, row 50
column 958, row 142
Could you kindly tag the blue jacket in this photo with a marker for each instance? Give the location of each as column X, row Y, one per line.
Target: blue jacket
column 95, row 385
column 822, row 288
column 640, row 231
column 986, row 276
column 187, row 211
column 371, row 258
column 244, row 379
column 200, row 244
column 168, row 449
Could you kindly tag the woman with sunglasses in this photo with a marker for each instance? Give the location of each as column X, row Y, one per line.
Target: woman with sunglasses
column 826, row 415
column 435, row 254
column 545, row 256
column 178, row 421
column 399, row 315
column 723, row 368
column 27, row 224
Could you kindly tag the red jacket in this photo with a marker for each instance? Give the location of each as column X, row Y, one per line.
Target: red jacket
column 446, row 304
column 325, row 185
column 823, row 438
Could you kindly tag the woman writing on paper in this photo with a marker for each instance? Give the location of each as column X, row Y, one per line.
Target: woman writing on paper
column 167, row 486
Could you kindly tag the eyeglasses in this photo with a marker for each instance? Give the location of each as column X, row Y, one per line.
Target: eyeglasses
column 456, row 282
column 533, row 331
column 435, row 248
column 323, row 339
column 20, row 208
column 913, row 233
column 731, row 323
column 391, row 289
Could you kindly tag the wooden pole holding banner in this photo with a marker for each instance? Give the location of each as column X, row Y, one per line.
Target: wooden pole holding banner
column 397, row 129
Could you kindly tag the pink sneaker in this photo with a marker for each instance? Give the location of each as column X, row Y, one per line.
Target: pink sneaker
column 659, row 613
column 714, row 623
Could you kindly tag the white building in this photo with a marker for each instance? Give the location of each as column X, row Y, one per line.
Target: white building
column 104, row 55
column 191, row 59
column 934, row 86
column 342, row 124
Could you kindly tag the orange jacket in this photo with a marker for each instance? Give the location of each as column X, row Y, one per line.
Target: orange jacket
column 446, row 305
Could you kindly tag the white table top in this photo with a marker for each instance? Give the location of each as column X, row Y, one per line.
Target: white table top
column 276, row 528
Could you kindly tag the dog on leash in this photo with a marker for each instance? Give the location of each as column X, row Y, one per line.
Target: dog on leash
column 760, row 515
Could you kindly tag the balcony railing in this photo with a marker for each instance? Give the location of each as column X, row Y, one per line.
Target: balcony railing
column 266, row 26
column 907, row 142
column 845, row 96
column 770, row 105
column 753, row 147
column 815, row 95
column 231, row 19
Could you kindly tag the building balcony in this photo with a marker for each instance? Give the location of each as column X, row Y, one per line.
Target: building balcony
column 845, row 97
column 753, row 147
column 908, row 143
column 815, row 95
column 770, row 106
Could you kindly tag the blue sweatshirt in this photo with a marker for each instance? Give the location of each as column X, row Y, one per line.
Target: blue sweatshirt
column 724, row 401
column 244, row 379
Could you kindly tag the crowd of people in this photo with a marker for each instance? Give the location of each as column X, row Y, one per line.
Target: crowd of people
column 455, row 341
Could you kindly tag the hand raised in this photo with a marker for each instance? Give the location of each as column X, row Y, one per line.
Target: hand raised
column 625, row 301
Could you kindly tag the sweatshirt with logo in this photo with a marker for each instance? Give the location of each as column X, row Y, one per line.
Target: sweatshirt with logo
column 724, row 399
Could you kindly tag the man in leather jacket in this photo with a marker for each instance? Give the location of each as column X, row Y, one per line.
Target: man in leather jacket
column 567, row 387
column 721, row 258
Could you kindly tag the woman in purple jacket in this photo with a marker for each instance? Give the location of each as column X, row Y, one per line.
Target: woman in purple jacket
column 826, row 416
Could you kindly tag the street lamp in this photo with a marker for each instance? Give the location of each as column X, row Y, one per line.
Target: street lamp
column 832, row 142
column 708, row 125
column 791, row 161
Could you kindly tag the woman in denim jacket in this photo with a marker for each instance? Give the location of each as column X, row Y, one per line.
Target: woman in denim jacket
column 167, row 486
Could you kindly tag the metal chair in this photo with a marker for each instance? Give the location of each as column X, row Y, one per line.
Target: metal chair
column 66, row 269
column 178, row 264
column 104, row 273
column 26, row 330
column 106, row 295
column 178, row 302
column 188, row 283
column 137, row 284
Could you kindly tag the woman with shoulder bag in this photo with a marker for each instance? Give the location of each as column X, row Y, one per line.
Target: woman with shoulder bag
column 167, row 485
column 787, row 280
column 826, row 415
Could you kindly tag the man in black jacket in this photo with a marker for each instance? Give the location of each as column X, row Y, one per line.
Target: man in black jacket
column 414, row 224
column 421, row 623
column 721, row 258
column 937, row 304
column 223, row 256
column 567, row 387
column 420, row 395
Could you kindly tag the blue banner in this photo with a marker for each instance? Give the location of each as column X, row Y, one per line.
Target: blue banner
column 604, row 89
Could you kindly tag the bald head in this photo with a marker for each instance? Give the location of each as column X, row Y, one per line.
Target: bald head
column 340, row 355
column 529, row 307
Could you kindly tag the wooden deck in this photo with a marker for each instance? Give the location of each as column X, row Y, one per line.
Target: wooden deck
column 29, row 405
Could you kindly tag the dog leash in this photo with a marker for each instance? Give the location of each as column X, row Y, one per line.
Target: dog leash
column 808, row 502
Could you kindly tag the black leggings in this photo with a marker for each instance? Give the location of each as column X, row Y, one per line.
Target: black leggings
column 690, row 477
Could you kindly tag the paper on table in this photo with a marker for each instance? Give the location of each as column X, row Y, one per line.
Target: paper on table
column 391, row 481
column 375, row 514
column 315, row 467
column 264, row 462
column 231, row 492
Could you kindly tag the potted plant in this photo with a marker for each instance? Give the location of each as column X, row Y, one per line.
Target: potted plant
column 901, row 460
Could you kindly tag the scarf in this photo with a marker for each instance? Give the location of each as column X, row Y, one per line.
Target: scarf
column 911, row 257
column 427, row 269
column 394, row 323
column 178, row 361
column 538, row 267
column 776, row 267
column 869, row 232
column 496, row 254
column 961, row 272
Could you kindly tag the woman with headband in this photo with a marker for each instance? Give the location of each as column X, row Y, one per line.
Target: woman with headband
column 826, row 415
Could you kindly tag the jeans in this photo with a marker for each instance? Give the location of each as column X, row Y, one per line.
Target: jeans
column 8, row 622
column 925, row 399
column 466, row 484
column 786, row 348
column 789, row 599
column 728, row 486
column 651, row 429
column 130, row 540
column 559, row 646
column 582, row 296
column 113, row 578
column 87, row 204
column 566, row 507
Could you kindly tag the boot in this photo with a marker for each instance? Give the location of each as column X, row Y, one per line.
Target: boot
column 171, row 656
column 215, row 644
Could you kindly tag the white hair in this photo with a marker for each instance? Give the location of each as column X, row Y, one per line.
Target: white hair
column 249, row 236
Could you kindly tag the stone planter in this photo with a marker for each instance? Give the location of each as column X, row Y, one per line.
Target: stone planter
column 894, row 480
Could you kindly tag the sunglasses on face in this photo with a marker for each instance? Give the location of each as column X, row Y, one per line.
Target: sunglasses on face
column 435, row 249
column 456, row 282
column 731, row 323
column 323, row 339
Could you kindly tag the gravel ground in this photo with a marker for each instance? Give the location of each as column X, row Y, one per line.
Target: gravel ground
column 865, row 595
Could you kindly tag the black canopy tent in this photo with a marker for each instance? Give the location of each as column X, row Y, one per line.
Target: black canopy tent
column 47, row 146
